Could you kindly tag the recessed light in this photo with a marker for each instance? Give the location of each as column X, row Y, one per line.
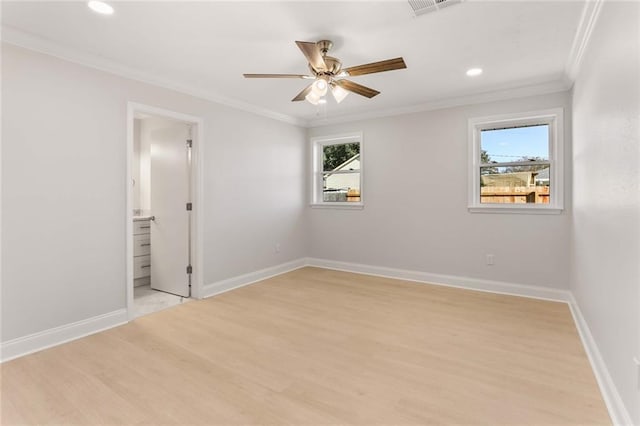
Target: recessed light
column 472, row 72
column 100, row 7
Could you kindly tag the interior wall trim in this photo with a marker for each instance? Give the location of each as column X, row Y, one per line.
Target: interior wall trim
column 620, row 416
column 232, row 283
column 617, row 410
column 525, row 89
column 45, row 339
column 499, row 287
column 538, row 86
column 615, row 406
column 36, row 342
column 587, row 23
column 25, row 40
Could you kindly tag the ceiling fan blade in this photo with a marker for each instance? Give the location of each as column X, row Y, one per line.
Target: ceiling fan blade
column 357, row 88
column 276, row 76
column 313, row 55
column 388, row 65
column 300, row 96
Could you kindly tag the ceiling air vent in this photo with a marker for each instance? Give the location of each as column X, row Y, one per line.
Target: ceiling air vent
column 420, row 7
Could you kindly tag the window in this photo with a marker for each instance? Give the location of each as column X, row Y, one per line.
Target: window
column 337, row 171
column 516, row 163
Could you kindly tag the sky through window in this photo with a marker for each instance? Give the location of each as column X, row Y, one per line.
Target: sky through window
column 504, row 145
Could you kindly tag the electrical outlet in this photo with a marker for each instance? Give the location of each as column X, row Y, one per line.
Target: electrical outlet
column 277, row 247
column 489, row 259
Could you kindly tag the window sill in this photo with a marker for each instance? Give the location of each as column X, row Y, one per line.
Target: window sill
column 515, row 209
column 338, row 206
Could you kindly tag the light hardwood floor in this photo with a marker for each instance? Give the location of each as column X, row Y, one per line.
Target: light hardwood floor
column 318, row 347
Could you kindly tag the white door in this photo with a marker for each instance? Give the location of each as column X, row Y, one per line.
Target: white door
column 170, row 174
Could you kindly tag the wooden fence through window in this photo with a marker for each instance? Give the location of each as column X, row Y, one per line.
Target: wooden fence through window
column 514, row 194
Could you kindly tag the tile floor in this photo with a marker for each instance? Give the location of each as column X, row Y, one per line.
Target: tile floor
column 147, row 300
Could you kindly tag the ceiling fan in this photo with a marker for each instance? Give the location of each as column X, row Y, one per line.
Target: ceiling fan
column 327, row 73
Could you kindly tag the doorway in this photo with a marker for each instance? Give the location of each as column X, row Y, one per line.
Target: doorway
column 163, row 188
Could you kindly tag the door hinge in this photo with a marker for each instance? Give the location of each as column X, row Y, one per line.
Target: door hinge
column 189, row 269
column 189, row 143
column 189, row 207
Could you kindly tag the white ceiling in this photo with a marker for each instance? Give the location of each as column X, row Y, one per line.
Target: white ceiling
column 205, row 47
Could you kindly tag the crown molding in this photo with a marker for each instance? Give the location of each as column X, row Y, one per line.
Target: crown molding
column 29, row 41
column 588, row 20
column 559, row 84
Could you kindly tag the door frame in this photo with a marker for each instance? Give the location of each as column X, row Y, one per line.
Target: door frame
column 196, row 197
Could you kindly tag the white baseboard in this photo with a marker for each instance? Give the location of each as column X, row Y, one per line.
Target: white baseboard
column 618, row 412
column 250, row 278
column 56, row 336
column 615, row 405
column 500, row 287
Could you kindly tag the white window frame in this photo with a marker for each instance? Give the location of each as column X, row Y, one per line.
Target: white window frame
column 317, row 145
column 555, row 119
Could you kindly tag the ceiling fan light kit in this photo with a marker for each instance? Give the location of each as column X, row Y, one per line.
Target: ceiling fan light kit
column 319, row 86
column 327, row 73
column 338, row 93
column 313, row 98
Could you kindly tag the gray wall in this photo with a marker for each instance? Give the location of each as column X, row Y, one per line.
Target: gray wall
column 64, row 190
column 605, row 239
column 415, row 194
column 63, row 194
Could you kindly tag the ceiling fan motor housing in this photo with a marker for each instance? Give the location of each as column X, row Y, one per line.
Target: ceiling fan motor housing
column 334, row 66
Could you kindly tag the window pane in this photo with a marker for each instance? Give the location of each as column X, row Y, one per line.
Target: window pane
column 515, row 144
column 339, row 187
column 341, row 157
column 515, row 185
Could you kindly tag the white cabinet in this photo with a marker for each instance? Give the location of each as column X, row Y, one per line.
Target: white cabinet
column 141, row 226
column 141, row 267
column 141, row 251
column 141, row 245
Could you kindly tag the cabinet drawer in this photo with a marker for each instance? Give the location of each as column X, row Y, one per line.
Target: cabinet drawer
column 141, row 227
column 141, row 244
column 141, row 266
